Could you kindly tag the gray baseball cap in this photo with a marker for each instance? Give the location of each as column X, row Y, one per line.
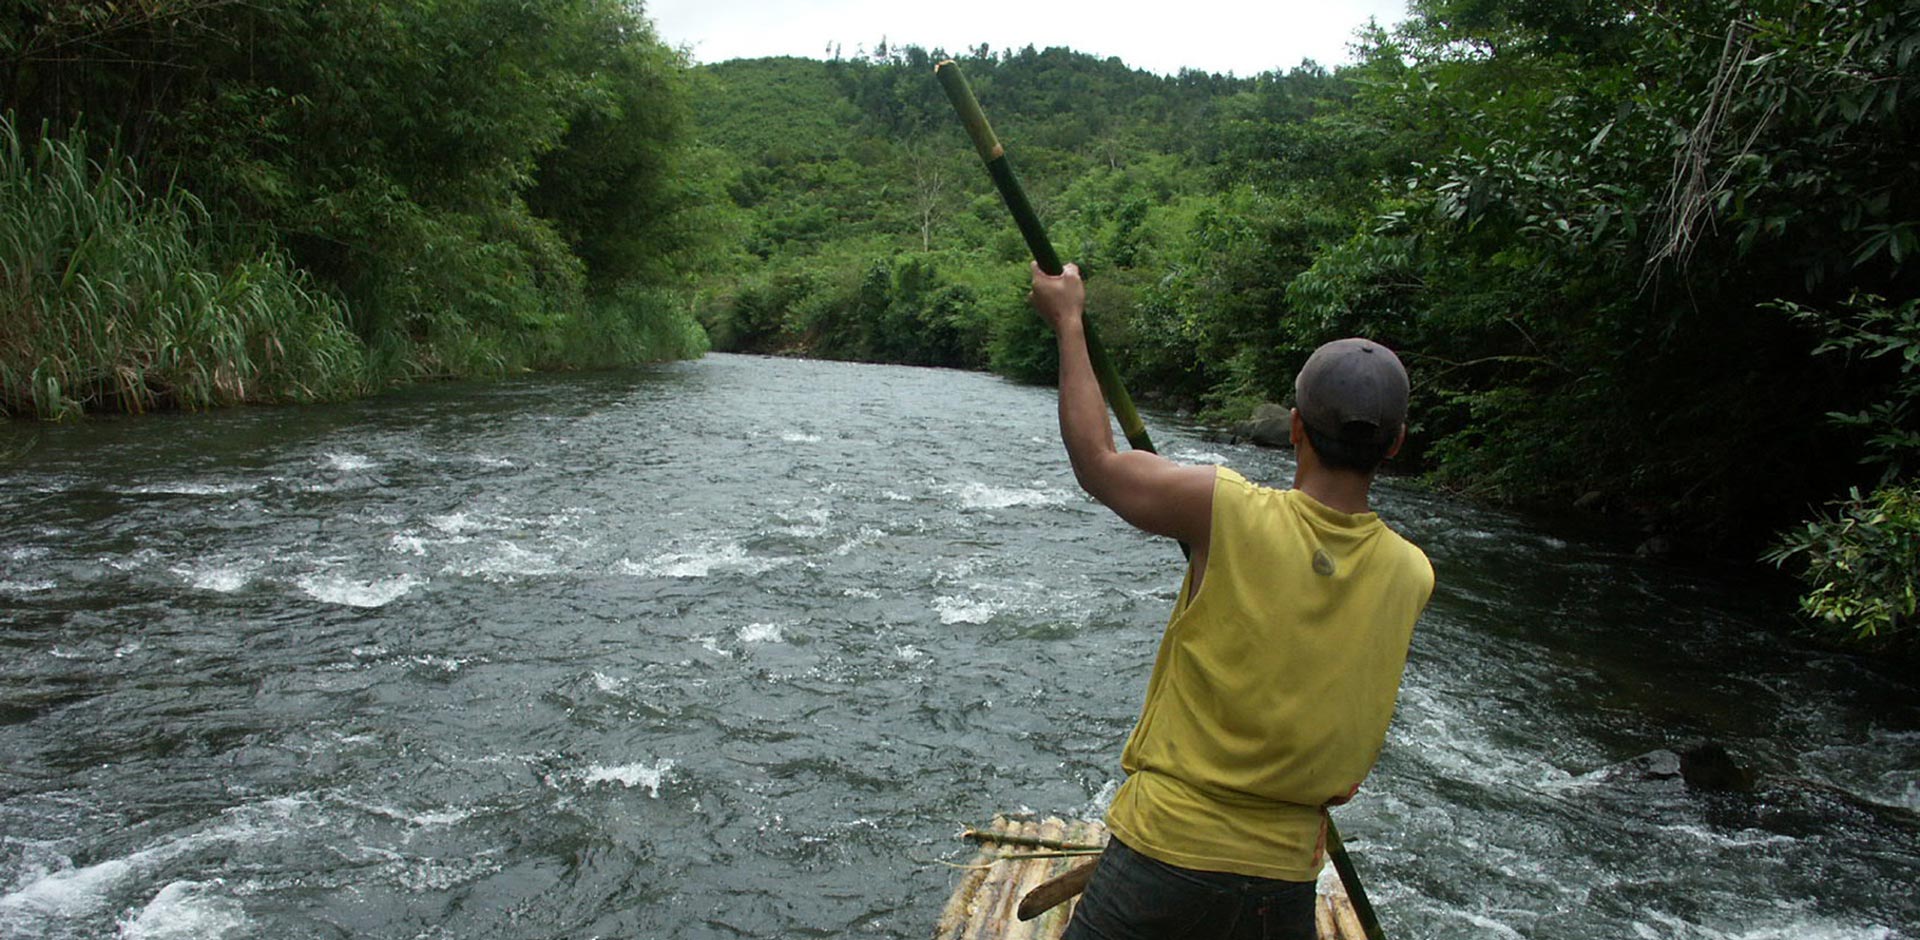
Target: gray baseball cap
column 1354, row 390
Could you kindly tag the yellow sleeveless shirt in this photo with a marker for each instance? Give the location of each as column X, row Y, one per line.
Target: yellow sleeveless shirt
column 1273, row 686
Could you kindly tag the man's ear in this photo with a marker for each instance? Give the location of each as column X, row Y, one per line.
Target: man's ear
column 1398, row 439
column 1296, row 428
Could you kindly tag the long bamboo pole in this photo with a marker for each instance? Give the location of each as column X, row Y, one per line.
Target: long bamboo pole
column 1350, row 879
column 1035, row 234
column 995, row 156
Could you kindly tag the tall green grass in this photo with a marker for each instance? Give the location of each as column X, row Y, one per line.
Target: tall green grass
column 629, row 324
column 495, row 291
column 108, row 302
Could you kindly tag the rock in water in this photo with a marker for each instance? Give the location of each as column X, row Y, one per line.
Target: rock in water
column 1653, row 765
column 1270, row 426
column 1708, row 766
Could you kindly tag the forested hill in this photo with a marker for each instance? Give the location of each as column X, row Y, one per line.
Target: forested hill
column 848, row 173
column 1658, row 263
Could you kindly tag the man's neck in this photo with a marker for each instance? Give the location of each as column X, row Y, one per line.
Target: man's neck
column 1339, row 490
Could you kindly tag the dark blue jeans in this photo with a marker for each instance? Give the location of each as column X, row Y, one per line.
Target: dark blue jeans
column 1133, row 897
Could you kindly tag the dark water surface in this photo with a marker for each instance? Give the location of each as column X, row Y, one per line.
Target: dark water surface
column 734, row 648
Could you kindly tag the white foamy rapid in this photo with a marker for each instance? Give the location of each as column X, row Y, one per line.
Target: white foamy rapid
column 982, row 496
column 219, row 577
column 138, row 560
column 505, row 561
column 1781, row 923
column 460, row 523
column 348, row 463
column 444, row 664
column 979, row 602
column 1447, row 737
column 406, row 543
column 809, row 523
column 353, row 592
column 189, row 489
column 43, row 903
column 1194, row 456
column 187, row 910
column 647, row 777
column 953, row 609
column 699, row 563
column 420, row 819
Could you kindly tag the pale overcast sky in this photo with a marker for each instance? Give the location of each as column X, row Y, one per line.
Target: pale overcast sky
column 1244, row 37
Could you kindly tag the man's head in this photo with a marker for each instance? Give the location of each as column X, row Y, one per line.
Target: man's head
column 1352, row 398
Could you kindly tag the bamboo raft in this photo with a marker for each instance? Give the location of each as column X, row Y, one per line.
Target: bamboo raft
column 1017, row 855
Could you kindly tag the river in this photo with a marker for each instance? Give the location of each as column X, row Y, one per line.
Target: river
column 735, row 647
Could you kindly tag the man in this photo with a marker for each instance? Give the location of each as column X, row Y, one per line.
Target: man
column 1276, row 678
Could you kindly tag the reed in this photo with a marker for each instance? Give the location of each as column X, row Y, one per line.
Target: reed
column 620, row 327
column 109, row 302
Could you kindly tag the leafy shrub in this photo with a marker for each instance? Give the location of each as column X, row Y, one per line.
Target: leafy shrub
column 1862, row 559
column 1863, row 562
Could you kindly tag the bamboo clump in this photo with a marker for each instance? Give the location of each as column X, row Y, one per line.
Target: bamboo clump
column 1018, row 855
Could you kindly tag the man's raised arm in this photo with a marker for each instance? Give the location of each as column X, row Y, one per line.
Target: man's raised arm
column 1146, row 489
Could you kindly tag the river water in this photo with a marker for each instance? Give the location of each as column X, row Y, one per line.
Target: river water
column 734, row 648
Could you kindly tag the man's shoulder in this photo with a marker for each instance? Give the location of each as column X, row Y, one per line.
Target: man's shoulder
column 1413, row 559
column 1227, row 479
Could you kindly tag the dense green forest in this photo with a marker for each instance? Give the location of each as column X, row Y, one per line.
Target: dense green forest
column 1652, row 259
column 207, row 202
column 1655, row 260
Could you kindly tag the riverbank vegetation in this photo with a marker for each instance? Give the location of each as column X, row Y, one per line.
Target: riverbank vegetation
column 1634, row 254
column 210, row 202
column 112, row 301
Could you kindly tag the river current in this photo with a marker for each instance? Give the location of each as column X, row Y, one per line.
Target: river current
column 734, row 648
